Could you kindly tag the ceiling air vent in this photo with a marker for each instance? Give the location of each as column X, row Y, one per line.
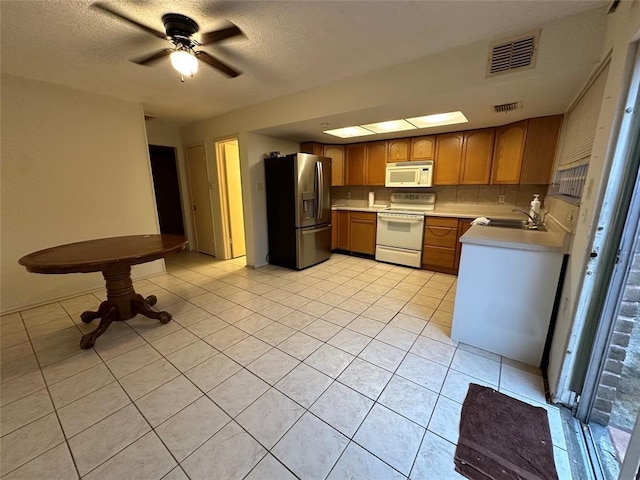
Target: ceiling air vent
column 507, row 107
column 513, row 54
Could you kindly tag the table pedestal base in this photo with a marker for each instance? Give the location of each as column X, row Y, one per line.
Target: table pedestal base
column 122, row 303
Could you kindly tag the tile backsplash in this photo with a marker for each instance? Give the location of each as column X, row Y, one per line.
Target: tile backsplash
column 485, row 194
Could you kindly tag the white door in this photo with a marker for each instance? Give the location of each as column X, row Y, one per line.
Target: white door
column 200, row 199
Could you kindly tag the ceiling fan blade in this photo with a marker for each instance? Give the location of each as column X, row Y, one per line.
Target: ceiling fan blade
column 154, row 57
column 218, row 35
column 215, row 63
column 109, row 10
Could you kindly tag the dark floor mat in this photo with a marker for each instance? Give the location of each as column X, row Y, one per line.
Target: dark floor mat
column 502, row 438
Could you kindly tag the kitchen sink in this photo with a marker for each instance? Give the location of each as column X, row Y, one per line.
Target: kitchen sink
column 516, row 224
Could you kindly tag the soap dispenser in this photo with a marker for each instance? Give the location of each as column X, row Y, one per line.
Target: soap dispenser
column 534, row 209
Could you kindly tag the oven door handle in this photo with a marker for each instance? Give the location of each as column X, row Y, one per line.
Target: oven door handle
column 389, row 218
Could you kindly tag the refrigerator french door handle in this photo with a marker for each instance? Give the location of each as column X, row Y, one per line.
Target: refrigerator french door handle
column 320, row 191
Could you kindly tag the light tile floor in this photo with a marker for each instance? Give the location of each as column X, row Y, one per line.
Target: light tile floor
column 343, row 370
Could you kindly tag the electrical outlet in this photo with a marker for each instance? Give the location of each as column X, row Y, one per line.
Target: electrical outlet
column 348, row 195
column 500, row 199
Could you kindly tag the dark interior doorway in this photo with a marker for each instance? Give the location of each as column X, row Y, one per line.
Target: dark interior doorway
column 164, row 170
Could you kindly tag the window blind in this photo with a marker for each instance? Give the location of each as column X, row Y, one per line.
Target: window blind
column 580, row 125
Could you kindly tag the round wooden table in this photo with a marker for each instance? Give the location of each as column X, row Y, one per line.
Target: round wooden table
column 113, row 257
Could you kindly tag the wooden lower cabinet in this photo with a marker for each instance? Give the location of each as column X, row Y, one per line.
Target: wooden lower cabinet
column 354, row 231
column 362, row 232
column 342, row 234
column 439, row 251
column 334, row 230
column 442, row 247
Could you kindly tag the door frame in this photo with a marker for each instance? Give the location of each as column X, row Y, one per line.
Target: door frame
column 619, row 223
column 223, row 193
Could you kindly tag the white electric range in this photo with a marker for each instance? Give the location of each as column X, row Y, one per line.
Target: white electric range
column 400, row 228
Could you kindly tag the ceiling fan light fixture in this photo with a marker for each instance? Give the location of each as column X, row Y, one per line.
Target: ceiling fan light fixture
column 184, row 62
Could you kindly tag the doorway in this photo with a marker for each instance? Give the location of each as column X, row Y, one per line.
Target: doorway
column 201, row 199
column 164, row 170
column 609, row 384
column 230, row 188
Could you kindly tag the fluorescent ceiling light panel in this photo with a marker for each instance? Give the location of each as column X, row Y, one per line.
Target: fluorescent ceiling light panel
column 390, row 126
column 349, row 132
column 438, row 119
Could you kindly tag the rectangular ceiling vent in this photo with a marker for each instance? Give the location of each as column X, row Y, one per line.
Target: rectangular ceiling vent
column 513, row 54
column 507, row 107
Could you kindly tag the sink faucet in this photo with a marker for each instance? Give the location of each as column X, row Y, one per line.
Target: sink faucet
column 535, row 220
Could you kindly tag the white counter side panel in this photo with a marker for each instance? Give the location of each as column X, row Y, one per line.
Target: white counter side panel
column 504, row 300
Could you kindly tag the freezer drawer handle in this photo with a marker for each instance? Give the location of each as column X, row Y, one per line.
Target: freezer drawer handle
column 307, row 231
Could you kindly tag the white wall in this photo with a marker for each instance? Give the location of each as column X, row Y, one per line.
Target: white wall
column 75, row 166
column 167, row 134
column 255, row 200
column 623, row 27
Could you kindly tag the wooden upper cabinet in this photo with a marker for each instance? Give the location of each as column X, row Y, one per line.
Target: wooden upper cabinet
column 423, row 148
column 312, row 148
column 336, row 154
column 476, row 157
column 509, row 149
column 540, row 149
column 398, row 150
column 448, row 158
column 355, row 159
column 375, row 168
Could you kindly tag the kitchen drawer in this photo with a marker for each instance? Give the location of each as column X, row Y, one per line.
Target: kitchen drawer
column 442, row 222
column 440, row 236
column 439, row 256
column 363, row 216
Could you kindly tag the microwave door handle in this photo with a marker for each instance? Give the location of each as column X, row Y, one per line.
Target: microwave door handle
column 319, row 192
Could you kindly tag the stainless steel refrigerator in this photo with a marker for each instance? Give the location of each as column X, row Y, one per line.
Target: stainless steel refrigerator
column 298, row 190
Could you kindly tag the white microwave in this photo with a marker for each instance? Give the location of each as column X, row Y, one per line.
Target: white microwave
column 409, row 174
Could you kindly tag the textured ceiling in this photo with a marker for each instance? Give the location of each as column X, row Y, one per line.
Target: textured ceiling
column 289, row 46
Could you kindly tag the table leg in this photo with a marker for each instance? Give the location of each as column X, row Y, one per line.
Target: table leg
column 122, row 303
column 89, row 339
column 89, row 316
column 141, row 306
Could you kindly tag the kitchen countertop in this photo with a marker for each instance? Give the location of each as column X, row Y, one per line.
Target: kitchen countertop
column 447, row 210
column 555, row 240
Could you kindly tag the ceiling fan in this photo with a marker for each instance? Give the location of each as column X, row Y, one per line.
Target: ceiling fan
column 179, row 31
